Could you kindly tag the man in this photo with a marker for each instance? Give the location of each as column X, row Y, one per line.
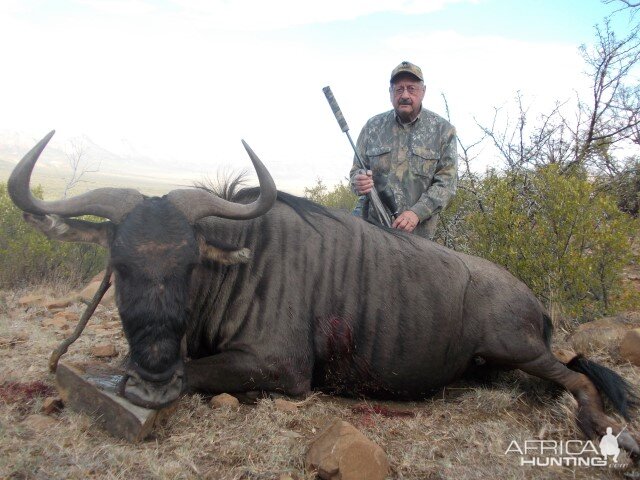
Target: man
column 411, row 152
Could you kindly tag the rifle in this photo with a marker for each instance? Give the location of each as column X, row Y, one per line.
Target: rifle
column 383, row 216
column 620, row 432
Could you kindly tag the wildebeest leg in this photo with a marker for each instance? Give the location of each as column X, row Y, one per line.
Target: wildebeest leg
column 590, row 415
column 236, row 371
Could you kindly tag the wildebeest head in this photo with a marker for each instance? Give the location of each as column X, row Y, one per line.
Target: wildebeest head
column 154, row 245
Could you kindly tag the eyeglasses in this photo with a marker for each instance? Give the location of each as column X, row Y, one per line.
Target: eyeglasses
column 411, row 90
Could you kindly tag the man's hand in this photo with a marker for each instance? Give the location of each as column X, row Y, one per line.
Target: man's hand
column 363, row 183
column 406, row 221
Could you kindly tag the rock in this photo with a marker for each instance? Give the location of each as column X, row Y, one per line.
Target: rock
column 224, row 400
column 341, row 452
column 630, row 318
column 104, row 350
column 35, row 300
column 86, row 294
column 285, row 405
column 10, row 341
column 67, row 316
column 39, row 423
column 602, row 334
column 630, row 346
column 58, row 323
column 52, row 405
column 110, row 325
column 58, row 303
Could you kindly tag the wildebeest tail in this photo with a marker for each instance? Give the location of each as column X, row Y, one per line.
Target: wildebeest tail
column 620, row 393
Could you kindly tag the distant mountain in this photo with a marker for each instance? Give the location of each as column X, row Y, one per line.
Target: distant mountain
column 13, row 146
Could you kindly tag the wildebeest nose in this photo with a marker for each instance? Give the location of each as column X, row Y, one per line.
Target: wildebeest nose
column 164, row 376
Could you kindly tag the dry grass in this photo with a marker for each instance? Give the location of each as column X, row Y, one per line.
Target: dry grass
column 460, row 433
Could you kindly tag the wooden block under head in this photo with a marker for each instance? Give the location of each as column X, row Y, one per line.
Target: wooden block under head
column 91, row 389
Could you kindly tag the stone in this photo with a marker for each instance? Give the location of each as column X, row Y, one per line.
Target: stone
column 104, row 350
column 111, row 324
column 224, row 400
column 58, row 303
column 39, row 423
column 67, row 316
column 88, row 292
column 35, row 300
column 630, row 346
column 52, row 405
column 604, row 334
column 10, row 341
column 57, row 323
column 341, row 452
column 285, row 405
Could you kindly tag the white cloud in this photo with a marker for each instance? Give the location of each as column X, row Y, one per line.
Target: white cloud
column 120, row 7
column 187, row 94
column 478, row 73
column 260, row 15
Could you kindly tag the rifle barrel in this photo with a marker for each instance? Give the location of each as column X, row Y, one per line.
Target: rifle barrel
column 384, row 217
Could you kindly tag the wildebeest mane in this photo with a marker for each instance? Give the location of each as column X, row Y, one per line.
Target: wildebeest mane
column 303, row 207
column 306, row 209
column 226, row 185
column 232, row 188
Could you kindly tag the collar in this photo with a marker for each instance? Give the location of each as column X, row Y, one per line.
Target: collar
column 409, row 123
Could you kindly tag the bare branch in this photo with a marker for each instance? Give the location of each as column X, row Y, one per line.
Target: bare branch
column 80, row 165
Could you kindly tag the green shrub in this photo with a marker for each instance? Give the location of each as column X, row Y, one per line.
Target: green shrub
column 567, row 241
column 341, row 197
column 28, row 257
column 626, row 187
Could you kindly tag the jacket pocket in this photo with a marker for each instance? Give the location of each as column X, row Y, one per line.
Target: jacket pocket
column 423, row 161
column 379, row 158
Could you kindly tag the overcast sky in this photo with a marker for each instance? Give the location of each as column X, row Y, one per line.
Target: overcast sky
column 187, row 79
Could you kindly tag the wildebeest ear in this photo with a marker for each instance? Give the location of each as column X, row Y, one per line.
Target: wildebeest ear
column 71, row 230
column 220, row 252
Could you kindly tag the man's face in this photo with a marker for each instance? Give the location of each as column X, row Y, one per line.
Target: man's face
column 406, row 94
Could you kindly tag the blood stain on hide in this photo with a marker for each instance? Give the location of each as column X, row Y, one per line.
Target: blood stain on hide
column 339, row 336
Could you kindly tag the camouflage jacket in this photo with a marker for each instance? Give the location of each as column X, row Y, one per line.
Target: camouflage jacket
column 418, row 161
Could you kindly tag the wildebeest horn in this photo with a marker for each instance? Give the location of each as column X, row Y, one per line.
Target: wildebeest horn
column 111, row 203
column 197, row 203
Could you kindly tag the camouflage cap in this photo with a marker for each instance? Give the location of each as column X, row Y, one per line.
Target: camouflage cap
column 407, row 67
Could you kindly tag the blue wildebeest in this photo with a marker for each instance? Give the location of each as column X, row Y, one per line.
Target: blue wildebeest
column 273, row 293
